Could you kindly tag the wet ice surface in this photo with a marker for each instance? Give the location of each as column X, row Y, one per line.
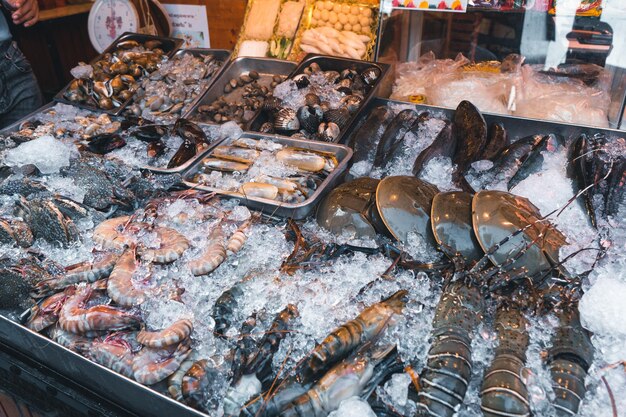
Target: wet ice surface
column 294, row 97
column 48, row 154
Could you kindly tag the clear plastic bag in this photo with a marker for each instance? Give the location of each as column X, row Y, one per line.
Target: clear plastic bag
column 562, row 98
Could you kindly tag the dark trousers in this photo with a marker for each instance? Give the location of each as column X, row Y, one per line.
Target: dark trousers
column 19, row 91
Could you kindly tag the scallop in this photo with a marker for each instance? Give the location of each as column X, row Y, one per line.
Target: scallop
column 365, row 21
column 354, row 9
column 366, row 30
column 366, row 12
column 353, row 19
column 301, row 159
column 347, row 26
column 356, row 28
column 345, row 8
column 338, row 26
column 337, row 8
column 259, row 189
column 329, row 5
column 319, row 5
column 314, row 22
column 324, row 15
column 343, row 19
column 317, row 14
column 332, row 17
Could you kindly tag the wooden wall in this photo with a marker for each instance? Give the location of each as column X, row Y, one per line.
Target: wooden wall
column 55, row 46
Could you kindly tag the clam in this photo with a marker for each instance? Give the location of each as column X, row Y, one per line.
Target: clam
column 328, row 132
column 272, row 103
column 105, row 103
column 236, row 154
column 312, row 99
column 117, row 84
column 351, row 102
column 301, row 159
column 224, row 165
column 310, row 117
column 370, row 75
column 127, row 44
column 259, row 189
column 302, row 80
column 286, row 120
column 152, row 44
column 338, row 116
column 102, row 89
column 348, row 74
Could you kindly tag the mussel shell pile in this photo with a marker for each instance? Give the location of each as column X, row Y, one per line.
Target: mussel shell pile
column 111, row 81
column 265, row 169
column 171, row 90
column 242, row 97
column 317, row 104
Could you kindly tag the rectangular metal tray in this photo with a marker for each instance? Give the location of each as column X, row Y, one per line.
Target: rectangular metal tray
column 169, row 46
column 220, row 54
column 516, row 127
column 238, row 66
column 14, row 127
column 276, row 208
column 126, row 393
column 331, row 63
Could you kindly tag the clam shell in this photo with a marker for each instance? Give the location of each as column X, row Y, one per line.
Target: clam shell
column 328, row 132
column 338, row 116
column 267, row 127
column 272, row 103
column 236, row 154
column 302, row 80
column 351, row 102
column 224, row 165
column 259, row 189
column 312, row 99
column 370, row 75
column 286, row 120
column 310, row 117
column 301, row 159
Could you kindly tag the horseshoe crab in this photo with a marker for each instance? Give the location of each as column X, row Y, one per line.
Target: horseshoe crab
column 345, row 210
column 404, row 204
column 451, row 217
column 516, row 227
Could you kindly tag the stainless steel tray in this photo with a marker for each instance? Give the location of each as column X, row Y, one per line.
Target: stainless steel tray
column 14, row 127
column 238, row 66
column 128, row 394
column 275, row 208
column 516, row 127
column 169, row 46
column 331, row 63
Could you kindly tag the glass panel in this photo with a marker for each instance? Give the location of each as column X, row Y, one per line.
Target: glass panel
column 574, row 63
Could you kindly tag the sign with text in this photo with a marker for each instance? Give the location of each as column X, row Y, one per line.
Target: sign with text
column 190, row 23
column 459, row 6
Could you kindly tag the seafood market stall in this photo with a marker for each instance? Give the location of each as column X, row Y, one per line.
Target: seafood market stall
column 193, row 233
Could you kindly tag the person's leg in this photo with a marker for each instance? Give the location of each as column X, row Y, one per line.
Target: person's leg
column 19, row 91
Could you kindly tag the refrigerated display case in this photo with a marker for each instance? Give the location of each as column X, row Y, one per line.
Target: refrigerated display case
column 581, row 51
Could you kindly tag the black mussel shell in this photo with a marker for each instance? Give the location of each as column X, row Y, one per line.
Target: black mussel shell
column 272, row 103
column 105, row 143
column 267, row 127
column 286, row 120
column 328, row 132
column 338, row 116
column 370, row 75
column 150, row 133
column 155, row 149
column 188, row 130
column 310, row 117
column 351, row 102
column 302, row 80
column 311, row 99
column 345, row 91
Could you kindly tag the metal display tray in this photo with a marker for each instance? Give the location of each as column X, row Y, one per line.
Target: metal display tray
column 220, row 54
column 272, row 207
column 14, row 127
column 238, row 66
column 116, row 388
column 331, row 63
column 516, row 127
column 169, row 47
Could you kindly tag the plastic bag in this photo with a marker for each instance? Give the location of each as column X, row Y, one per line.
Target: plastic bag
column 563, row 99
column 414, row 78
